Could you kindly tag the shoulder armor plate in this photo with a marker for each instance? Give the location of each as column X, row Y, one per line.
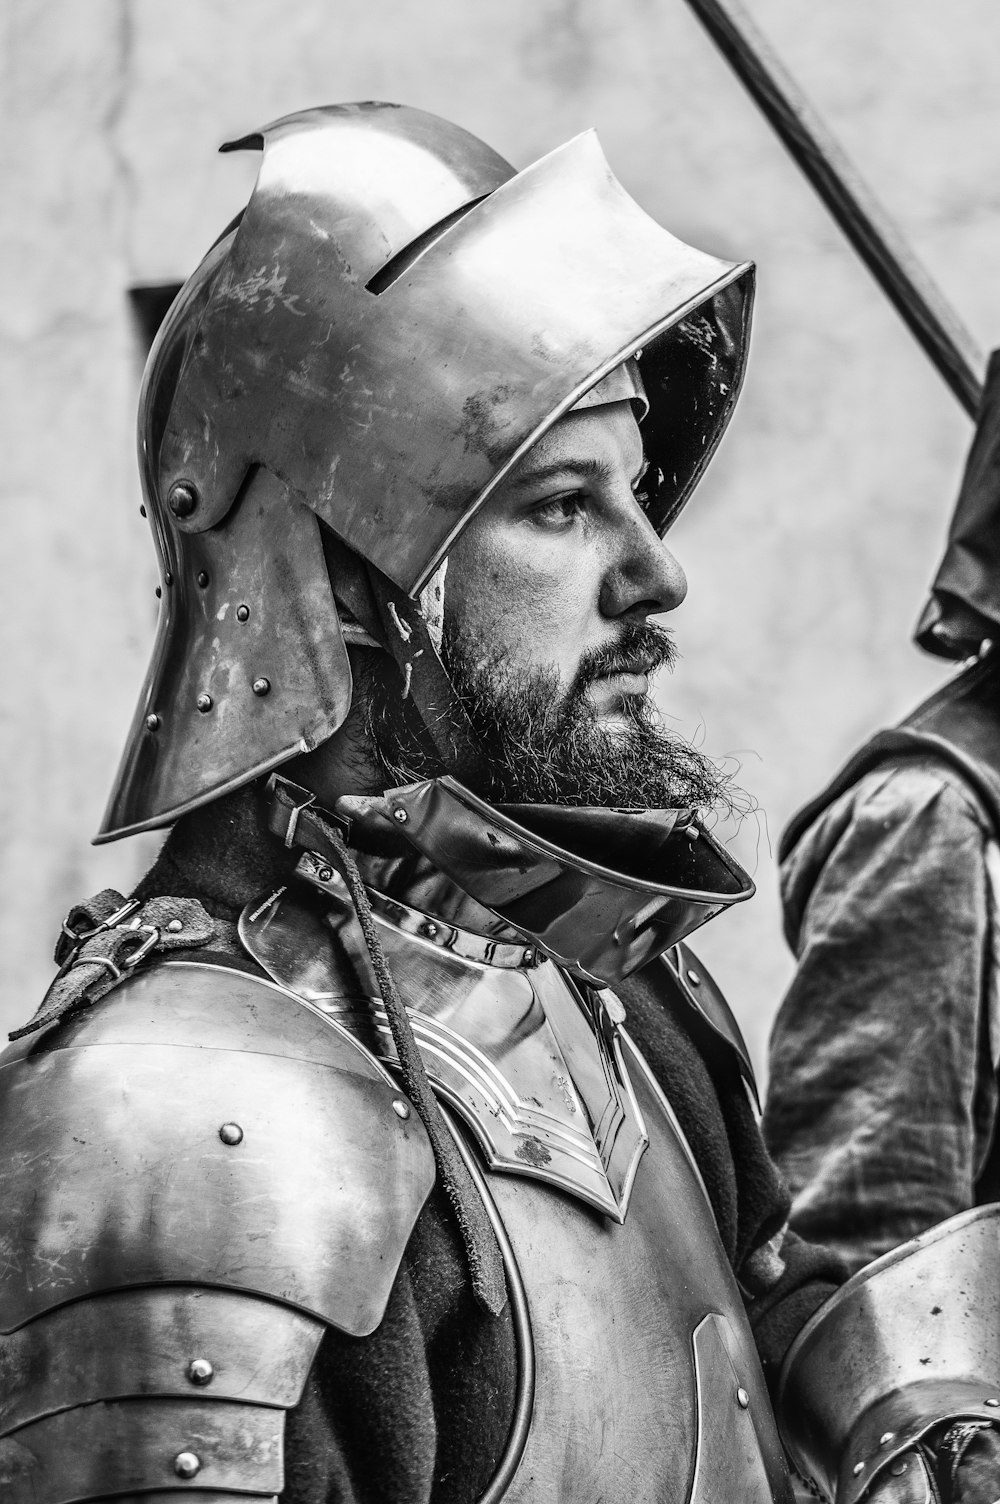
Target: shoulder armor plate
column 201, row 1126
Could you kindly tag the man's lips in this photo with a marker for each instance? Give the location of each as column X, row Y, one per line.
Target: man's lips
column 620, row 683
column 630, row 668
column 626, row 683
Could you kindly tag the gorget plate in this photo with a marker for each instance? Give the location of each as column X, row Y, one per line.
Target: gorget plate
column 533, row 1065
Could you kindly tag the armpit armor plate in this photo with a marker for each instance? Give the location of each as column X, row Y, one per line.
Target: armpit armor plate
column 200, row 1175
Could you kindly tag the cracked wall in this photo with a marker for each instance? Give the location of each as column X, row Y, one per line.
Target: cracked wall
column 811, row 540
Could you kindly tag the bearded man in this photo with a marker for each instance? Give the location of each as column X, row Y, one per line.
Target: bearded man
column 387, row 1143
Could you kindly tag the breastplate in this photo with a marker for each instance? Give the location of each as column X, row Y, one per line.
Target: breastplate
column 647, row 1385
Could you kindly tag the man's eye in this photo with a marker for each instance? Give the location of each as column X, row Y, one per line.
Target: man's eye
column 558, row 511
column 647, row 487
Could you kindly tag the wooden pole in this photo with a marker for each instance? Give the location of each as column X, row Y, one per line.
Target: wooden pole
column 916, row 298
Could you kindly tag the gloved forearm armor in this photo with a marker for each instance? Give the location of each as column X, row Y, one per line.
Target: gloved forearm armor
column 885, row 1387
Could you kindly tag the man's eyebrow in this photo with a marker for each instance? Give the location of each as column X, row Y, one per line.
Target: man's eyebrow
column 586, row 469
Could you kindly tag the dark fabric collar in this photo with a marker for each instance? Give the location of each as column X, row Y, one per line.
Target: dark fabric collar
column 225, row 856
column 222, row 854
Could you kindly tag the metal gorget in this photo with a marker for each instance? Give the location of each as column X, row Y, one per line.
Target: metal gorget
column 532, row 1063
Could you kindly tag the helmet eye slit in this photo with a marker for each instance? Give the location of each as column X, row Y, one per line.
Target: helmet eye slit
column 404, row 259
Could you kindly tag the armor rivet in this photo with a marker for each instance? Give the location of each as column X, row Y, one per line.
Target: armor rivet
column 175, row 926
column 204, row 703
column 692, row 832
column 261, row 686
column 694, row 978
column 159, row 593
column 429, row 928
column 142, row 511
column 187, row 1464
column 242, row 613
column 152, row 723
column 400, row 815
column 168, row 578
column 886, row 1437
column 325, row 874
column 742, row 1399
column 858, row 1468
column 231, row 1133
column 202, row 578
column 401, row 1108
column 200, row 1371
column 528, row 959
column 898, row 1468
column 183, row 498
column 993, row 1404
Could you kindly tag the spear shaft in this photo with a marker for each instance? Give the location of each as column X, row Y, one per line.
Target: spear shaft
column 917, row 299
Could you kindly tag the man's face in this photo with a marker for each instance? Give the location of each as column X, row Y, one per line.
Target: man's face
column 547, row 637
column 556, row 572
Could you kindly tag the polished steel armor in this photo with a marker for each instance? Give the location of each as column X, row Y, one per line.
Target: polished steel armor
column 602, row 891
column 396, row 319
column 204, row 1171
column 163, row 1295
column 543, row 1080
column 174, row 1242
column 435, row 311
column 599, row 891
column 532, row 1066
column 629, row 1408
column 911, row 1341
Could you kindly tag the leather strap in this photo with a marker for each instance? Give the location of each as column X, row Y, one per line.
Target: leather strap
column 298, row 821
column 392, row 619
column 426, row 682
column 105, row 939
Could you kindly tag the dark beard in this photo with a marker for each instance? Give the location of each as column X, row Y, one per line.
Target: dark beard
column 544, row 746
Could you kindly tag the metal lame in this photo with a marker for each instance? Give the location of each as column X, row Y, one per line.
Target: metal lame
column 161, row 1342
column 138, row 1445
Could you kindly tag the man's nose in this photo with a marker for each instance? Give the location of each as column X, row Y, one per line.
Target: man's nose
column 644, row 577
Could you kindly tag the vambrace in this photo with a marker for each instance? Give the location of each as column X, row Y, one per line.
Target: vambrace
column 886, row 1386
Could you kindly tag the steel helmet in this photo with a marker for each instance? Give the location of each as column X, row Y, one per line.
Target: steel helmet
column 397, row 317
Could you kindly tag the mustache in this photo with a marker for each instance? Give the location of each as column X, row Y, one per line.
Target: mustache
column 641, row 648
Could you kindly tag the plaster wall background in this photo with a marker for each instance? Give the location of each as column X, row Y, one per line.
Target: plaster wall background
column 811, row 541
